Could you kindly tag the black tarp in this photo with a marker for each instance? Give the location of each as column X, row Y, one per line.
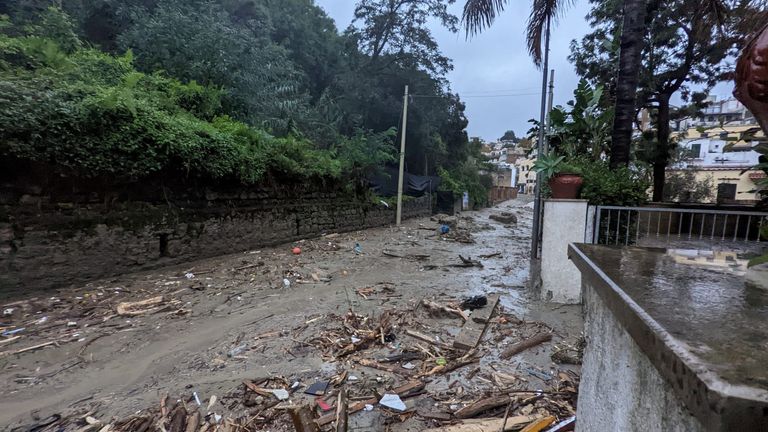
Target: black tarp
column 385, row 183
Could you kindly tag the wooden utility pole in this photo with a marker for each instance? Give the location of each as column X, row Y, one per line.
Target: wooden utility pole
column 402, row 158
column 549, row 107
column 540, row 149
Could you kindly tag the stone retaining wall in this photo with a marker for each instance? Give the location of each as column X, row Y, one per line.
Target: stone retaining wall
column 45, row 245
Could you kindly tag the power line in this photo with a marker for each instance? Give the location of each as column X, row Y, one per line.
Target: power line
column 477, row 96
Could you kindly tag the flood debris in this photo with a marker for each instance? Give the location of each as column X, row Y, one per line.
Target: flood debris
column 525, row 344
column 506, row 218
column 390, row 351
column 474, row 302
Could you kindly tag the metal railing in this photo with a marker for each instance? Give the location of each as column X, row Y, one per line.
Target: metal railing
column 657, row 226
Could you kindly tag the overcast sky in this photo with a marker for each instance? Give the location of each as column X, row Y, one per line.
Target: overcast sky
column 497, row 63
column 494, row 74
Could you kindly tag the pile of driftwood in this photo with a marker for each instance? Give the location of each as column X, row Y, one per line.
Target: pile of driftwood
column 404, row 354
column 38, row 322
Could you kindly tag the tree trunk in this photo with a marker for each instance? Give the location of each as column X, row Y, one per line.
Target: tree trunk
column 661, row 155
column 626, row 86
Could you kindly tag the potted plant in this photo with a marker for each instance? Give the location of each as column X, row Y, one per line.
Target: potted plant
column 564, row 180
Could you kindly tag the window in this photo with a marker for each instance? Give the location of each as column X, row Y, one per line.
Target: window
column 726, row 192
column 694, row 151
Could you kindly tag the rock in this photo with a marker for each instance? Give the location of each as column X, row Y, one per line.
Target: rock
column 505, row 218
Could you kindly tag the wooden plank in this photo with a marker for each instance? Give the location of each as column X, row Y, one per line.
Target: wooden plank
column 482, row 406
column 486, row 425
column 302, row 419
column 469, row 336
column 526, row 344
column 341, row 411
column 482, row 315
column 473, row 331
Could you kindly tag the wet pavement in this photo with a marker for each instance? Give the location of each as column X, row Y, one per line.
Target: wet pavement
column 270, row 313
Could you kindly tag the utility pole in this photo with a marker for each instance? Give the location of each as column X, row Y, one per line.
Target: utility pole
column 402, row 158
column 549, row 107
column 540, row 148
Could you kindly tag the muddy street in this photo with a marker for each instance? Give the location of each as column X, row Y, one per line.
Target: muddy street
column 369, row 311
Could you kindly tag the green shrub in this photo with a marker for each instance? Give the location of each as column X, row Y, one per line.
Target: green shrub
column 92, row 114
column 603, row 186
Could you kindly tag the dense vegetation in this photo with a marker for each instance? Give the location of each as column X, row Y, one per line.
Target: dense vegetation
column 245, row 90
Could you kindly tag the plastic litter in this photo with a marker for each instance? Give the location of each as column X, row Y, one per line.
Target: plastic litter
column 441, row 361
column 474, row 302
column 237, row 350
column 445, row 229
column 296, row 250
column 281, row 394
column 358, row 248
column 286, row 283
column 197, row 399
column 368, row 407
column 7, row 311
column 409, row 366
column 393, row 401
column 189, row 275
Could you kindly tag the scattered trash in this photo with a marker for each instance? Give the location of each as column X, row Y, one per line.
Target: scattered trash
column 13, row 332
column 296, row 250
column 440, row 361
column 355, row 340
column 286, row 283
column 474, row 302
column 358, row 249
column 211, row 402
column 8, row 311
column 323, row 406
column 445, row 229
column 42, row 320
column 71, row 324
column 237, row 350
column 190, row 276
column 384, row 203
column 197, row 399
column 393, row 401
column 317, row 389
column 280, row 394
column 409, row 366
column 368, row 407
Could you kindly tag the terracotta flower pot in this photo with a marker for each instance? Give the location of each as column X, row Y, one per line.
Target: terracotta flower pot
column 565, row 186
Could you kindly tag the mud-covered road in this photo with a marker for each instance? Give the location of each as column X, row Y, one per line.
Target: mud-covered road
column 269, row 313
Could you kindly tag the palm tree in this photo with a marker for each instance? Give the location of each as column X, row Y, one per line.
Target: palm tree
column 480, row 14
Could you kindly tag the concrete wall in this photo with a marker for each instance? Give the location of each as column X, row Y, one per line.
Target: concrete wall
column 565, row 222
column 48, row 245
column 620, row 388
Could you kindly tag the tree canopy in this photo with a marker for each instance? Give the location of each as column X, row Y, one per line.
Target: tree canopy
column 266, row 77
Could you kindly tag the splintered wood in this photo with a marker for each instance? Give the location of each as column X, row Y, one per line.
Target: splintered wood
column 472, row 331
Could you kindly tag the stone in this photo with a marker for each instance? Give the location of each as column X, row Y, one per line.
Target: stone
column 505, row 218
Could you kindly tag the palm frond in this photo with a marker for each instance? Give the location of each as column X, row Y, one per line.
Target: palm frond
column 480, row 14
column 542, row 12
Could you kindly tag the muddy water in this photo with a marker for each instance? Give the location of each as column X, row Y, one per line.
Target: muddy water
column 129, row 362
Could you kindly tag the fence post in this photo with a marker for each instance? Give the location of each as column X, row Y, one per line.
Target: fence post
column 591, row 230
column 565, row 221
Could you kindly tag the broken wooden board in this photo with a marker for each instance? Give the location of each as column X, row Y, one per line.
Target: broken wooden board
column 526, row 344
column 473, row 331
column 487, row 425
column 481, row 406
column 482, row 315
